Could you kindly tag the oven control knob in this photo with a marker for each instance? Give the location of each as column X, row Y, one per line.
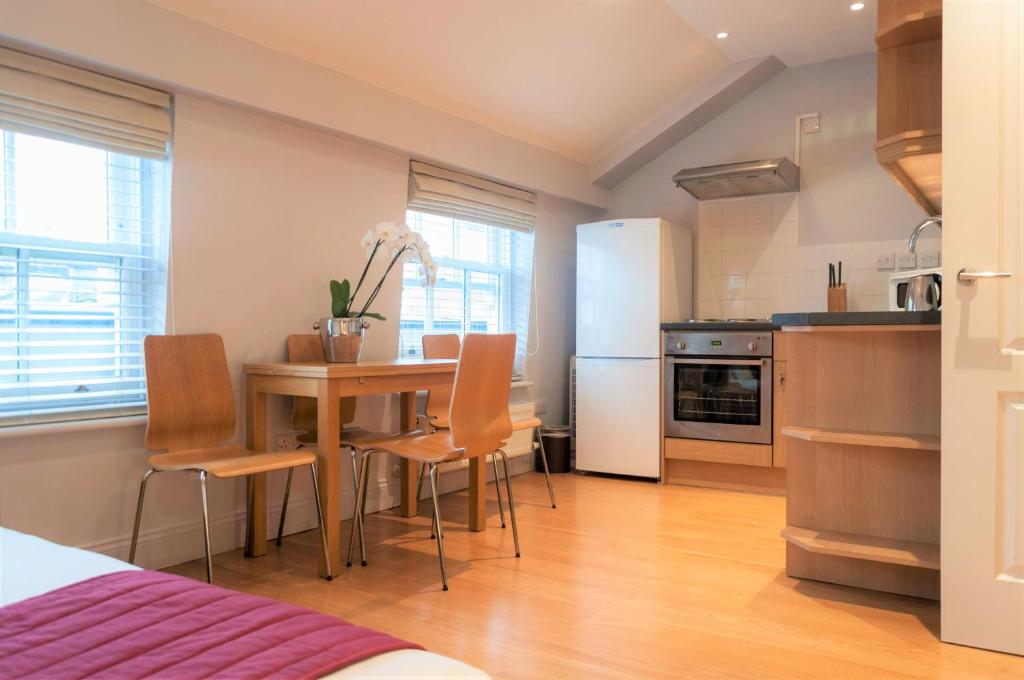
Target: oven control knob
column 752, row 346
column 681, row 344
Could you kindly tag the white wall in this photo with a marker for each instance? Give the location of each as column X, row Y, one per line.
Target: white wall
column 845, row 196
column 264, row 213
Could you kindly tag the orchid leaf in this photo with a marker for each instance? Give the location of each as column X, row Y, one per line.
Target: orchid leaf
column 339, row 298
column 374, row 315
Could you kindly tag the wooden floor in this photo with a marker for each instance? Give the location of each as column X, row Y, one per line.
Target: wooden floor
column 624, row 579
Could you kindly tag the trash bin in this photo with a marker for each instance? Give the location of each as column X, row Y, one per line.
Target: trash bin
column 556, row 446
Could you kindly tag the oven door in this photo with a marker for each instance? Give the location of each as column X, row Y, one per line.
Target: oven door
column 720, row 399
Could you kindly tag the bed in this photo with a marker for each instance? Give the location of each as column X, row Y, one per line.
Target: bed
column 31, row 567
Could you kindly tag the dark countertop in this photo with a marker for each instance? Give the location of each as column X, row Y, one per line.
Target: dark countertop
column 765, row 325
column 815, row 319
column 858, row 319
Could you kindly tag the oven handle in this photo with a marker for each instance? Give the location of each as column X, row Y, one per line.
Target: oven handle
column 732, row 362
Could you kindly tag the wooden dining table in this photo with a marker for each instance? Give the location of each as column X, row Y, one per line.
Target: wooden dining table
column 327, row 383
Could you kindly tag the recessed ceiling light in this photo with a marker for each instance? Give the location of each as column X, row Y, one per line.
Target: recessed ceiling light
column 722, row 35
column 857, row 6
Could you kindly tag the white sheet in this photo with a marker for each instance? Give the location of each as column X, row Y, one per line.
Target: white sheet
column 31, row 566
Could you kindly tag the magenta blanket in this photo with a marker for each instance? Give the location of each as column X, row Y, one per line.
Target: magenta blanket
column 135, row 624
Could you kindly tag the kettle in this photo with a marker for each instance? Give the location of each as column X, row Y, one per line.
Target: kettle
column 923, row 293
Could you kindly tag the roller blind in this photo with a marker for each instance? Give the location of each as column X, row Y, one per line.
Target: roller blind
column 448, row 193
column 49, row 99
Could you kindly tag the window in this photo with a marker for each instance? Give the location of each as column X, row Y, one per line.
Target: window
column 83, row 258
column 483, row 283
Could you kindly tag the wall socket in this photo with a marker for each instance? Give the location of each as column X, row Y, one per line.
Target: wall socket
column 287, row 442
column 907, row 261
column 886, row 262
column 927, row 260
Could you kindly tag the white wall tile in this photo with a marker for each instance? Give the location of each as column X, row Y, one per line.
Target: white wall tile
column 812, row 283
column 734, row 212
column 710, row 239
column 759, row 261
column 812, row 304
column 710, row 287
column 785, row 284
column 759, row 210
column 709, row 263
column 735, row 288
column 759, row 236
column 709, row 309
column 734, row 309
column 758, row 309
column 759, row 286
column 734, row 238
column 786, row 235
column 867, row 282
column 709, row 214
column 734, row 262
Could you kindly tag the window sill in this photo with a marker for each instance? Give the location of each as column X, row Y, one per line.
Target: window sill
column 18, row 431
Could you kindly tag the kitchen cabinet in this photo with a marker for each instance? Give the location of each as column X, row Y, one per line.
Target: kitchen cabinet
column 909, row 103
column 780, row 446
column 861, row 425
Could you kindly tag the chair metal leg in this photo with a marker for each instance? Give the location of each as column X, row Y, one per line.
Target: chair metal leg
column 206, row 526
column 544, row 458
column 511, row 503
column 319, row 517
column 284, row 505
column 138, row 515
column 419, row 486
column 440, row 531
column 357, row 524
column 497, row 488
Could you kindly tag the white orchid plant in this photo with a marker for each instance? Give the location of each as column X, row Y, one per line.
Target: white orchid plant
column 395, row 241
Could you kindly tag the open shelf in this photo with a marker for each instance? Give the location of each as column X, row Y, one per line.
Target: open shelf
column 891, row 440
column 861, row 547
column 911, row 28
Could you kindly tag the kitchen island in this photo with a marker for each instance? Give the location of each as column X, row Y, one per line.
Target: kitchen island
column 861, row 428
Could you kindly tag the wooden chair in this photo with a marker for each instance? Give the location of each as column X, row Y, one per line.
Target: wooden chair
column 307, row 347
column 478, row 426
column 436, row 412
column 191, row 415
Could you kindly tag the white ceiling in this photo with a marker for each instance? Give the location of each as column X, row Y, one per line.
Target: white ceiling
column 796, row 31
column 571, row 76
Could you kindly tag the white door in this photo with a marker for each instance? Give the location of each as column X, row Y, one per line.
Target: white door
column 618, row 411
column 983, row 326
column 618, row 289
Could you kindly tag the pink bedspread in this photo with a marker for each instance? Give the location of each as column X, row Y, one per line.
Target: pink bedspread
column 135, row 624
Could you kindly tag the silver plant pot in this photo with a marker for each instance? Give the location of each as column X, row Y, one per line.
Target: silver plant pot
column 342, row 339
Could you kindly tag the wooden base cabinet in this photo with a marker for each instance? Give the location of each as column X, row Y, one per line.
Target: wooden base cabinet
column 861, row 424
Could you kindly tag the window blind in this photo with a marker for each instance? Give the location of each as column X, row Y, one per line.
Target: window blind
column 50, row 99
column 483, row 284
column 83, row 269
column 448, row 193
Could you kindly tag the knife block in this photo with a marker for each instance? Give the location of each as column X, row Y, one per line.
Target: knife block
column 837, row 298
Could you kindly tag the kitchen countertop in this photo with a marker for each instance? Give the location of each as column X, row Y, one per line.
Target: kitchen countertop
column 765, row 325
column 858, row 319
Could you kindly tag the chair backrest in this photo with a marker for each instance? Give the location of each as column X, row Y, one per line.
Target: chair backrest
column 188, row 388
column 479, row 420
column 439, row 399
column 307, row 347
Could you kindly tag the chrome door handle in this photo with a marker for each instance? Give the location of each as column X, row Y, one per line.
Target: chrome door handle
column 969, row 277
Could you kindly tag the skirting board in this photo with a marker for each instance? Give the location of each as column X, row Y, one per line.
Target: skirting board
column 170, row 545
column 769, row 480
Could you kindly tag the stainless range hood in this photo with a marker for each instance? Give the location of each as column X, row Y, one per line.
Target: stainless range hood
column 773, row 176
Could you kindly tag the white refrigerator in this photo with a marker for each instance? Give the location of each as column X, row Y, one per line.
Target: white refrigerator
column 631, row 275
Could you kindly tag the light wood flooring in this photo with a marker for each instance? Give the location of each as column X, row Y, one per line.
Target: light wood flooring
column 625, row 579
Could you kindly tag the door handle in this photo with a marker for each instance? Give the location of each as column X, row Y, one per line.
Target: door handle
column 969, row 277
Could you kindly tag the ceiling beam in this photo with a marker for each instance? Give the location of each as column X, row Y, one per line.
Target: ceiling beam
column 684, row 117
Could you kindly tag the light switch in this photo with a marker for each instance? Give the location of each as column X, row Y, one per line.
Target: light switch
column 886, row 262
column 906, row 261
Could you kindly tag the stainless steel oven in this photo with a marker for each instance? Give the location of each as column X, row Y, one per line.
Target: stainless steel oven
column 718, row 386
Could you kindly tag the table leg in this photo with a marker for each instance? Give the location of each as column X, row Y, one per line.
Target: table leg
column 477, row 493
column 256, row 485
column 407, row 419
column 328, row 430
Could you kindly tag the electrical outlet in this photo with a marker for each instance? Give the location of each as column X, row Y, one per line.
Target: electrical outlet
column 928, row 260
column 287, row 442
column 906, row 261
column 885, row 262
column 396, row 470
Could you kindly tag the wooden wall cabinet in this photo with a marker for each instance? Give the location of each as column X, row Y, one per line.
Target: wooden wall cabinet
column 909, row 106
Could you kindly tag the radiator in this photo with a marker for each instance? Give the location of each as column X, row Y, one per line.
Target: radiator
column 521, row 442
